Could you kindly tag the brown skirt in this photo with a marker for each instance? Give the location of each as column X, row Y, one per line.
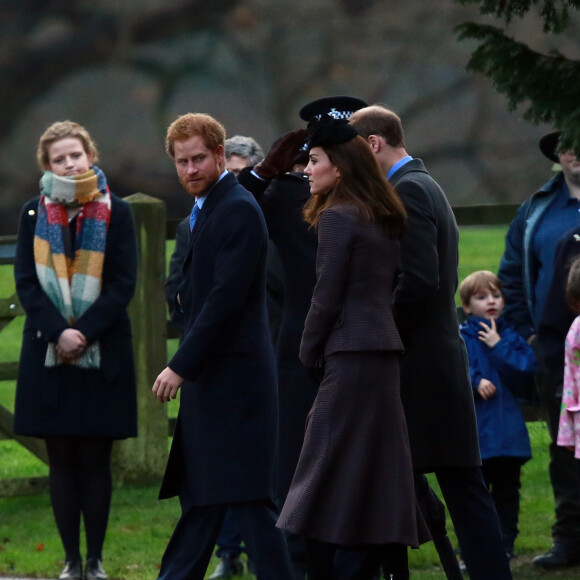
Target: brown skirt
column 354, row 481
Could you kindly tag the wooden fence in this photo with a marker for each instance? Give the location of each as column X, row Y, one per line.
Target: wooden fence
column 143, row 459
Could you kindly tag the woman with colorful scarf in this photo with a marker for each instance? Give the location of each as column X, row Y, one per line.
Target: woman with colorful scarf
column 75, row 274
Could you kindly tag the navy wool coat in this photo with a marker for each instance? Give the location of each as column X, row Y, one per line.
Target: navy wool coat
column 435, row 384
column 225, row 441
column 66, row 400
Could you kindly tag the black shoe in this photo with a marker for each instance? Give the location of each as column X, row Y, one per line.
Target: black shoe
column 558, row 556
column 230, row 565
column 73, row 570
column 94, row 570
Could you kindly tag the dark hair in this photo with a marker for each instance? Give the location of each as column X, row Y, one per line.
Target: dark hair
column 361, row 183
column 573, row 286
column 211, row 131
column 480, row 280
column 379, row 120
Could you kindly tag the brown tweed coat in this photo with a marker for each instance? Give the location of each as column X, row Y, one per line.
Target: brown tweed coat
column 354, row 480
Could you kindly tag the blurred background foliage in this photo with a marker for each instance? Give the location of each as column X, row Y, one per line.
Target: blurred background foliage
column 127, row 68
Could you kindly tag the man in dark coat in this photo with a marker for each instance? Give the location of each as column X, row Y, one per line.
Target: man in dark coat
column 435, row 386
column 223, row 452
column 240, row 152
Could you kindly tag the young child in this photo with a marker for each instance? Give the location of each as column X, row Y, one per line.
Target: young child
column 498, row 357
column 569, row 428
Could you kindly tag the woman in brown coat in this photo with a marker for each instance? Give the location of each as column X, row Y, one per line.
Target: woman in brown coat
column 353, row 485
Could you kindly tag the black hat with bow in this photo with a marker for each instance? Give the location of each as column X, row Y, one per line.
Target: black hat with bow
column 328, row 120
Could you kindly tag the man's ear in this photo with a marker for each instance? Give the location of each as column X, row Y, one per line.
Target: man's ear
column 374, row 142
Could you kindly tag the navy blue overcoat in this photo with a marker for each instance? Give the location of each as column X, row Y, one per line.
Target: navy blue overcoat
column 225, row 441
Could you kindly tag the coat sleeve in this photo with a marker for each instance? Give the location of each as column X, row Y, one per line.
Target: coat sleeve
column 418, row 279
column 41, row 313
column 240, row 240
column 335, row 237
column 475, row 372
column 254, row 184
column 175, row 276
column 119, row 275
column 513, row 353
column 511, row 274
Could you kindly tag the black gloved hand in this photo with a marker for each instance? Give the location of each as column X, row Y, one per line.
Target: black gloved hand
column 283, row 151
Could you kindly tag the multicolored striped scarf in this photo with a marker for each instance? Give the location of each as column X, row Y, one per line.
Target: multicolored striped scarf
column 72, row 277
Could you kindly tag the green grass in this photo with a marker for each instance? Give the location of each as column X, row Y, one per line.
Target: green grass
column 480, row 248
column 140, row 525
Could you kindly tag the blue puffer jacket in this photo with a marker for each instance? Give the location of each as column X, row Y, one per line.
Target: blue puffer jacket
column 502, row 430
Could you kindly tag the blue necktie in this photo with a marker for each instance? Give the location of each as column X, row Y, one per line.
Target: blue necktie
column 193, row 216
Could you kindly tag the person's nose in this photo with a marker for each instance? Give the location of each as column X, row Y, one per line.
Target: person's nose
column 191, row 168
column 69, row 162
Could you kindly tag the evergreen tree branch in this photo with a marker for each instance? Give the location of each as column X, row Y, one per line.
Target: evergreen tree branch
column 549, row 85
column 554, row 13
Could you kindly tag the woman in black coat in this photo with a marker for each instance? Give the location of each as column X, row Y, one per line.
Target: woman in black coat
column 353, row 485
column 75, row 274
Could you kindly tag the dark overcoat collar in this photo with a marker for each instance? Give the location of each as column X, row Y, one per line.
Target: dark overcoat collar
column 214, row 197
column 413, row 166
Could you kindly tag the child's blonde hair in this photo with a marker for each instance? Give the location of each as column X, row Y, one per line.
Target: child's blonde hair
column 573, row 286
column 482, row 279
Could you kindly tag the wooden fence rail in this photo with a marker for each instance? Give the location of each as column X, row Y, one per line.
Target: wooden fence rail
column 143, row 459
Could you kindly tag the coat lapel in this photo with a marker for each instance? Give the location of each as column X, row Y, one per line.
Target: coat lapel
column 218, row 192
column 414, row 165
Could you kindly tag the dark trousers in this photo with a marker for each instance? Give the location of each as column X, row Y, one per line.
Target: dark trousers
column 355, row 565
column 502, row 477
column 321, row 562
column 190, row 548
column 229, row 541
column 475, row 521
column 562, row 469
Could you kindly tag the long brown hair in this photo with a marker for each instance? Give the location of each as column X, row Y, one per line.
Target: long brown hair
column 362, row 184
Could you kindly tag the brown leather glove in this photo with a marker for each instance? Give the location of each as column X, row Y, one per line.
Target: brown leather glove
column 283, row 151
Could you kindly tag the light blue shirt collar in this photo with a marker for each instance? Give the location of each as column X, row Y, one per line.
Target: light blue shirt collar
column 201, row 200
column 398, row 165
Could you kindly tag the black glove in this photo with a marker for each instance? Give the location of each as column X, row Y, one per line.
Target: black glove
column 281, row 155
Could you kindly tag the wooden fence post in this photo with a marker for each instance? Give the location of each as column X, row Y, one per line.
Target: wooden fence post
column 143, row 460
